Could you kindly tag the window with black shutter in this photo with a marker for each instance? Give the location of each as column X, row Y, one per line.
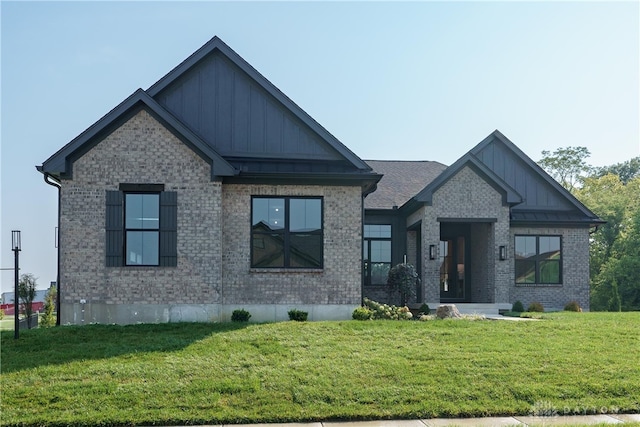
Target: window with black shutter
column 141, row 226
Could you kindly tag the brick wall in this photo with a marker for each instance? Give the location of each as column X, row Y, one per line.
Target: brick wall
column 339, row 282
column 575, row 271
column 140, row 151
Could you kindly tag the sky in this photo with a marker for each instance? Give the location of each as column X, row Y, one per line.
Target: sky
column 391, row 80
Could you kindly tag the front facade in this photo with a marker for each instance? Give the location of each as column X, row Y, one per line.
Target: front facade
column 212, row 191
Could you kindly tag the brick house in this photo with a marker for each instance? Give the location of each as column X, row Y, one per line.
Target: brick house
column 212, row 191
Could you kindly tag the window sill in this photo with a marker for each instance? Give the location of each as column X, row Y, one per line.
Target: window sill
column 287, row 270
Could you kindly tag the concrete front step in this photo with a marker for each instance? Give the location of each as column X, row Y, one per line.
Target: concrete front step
column 475, row 308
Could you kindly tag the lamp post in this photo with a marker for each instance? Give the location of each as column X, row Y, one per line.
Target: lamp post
column 16, row 247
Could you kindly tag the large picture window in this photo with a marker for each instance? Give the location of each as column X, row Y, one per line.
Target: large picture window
column 286, row 232
column 538, row 260
column 376, row 253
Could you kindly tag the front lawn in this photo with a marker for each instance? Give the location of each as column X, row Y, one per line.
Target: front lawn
column 291, row 371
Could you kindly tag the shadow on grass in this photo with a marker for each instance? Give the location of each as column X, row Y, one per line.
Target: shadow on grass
column 64, row 344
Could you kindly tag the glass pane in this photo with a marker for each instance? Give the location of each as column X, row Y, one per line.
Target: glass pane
column 525, row 247
column 550, row 247
column 305, row 250
column 550, row 272
column 305, row 215
column 525, row 271
column 142, row 248
column 268, row 214
column 380, row 251
column 380, row 273
column 377, row 231
column 142, row 211
column 365, row 250
column 268, row 250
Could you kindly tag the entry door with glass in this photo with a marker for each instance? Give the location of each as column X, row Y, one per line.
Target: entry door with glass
column 452, row 269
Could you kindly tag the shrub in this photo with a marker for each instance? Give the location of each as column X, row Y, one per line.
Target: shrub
column 573, row 306
column 403, row 279
column 535, row 307
column 48, row 319
column 517, row 307
column 362, row 313
column 1, row 314
column 424, row 309
column 240, row 316
column 384, row 311
column 297, row 315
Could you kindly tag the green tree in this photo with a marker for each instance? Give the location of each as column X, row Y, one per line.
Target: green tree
column 27, row 293
column 626, row 171
column 49, row 318
column 568, row 165
column 403, row 279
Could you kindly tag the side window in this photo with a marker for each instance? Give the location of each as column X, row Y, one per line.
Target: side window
column 286, row 232
column 376, row 253
column 141, row 226
column 538, row 260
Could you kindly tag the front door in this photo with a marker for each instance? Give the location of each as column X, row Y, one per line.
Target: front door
column 453, row 267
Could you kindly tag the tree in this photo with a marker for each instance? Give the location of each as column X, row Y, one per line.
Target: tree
column 568, row 165
column 403, row 278
column 626, row 171
column 49, row 318
column 27, row 293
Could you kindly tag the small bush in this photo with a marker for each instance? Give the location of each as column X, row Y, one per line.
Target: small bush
column 1, row 314
column 297, row 315
column 535, row 307
column 573, row 306
column 240, row 316
column 424, row 309
column 362, row 313
column 517, row 307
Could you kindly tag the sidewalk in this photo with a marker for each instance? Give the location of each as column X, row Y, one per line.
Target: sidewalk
column 524, row 421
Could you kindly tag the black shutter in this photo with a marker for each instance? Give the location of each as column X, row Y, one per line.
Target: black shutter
column 168, row 229
column 114, row 229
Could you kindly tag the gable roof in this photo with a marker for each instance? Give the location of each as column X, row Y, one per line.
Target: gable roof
column 400, row 182
column 61, row 163
column 242, row 114
column 534, row 196
column 539, row 190
column 509, row 195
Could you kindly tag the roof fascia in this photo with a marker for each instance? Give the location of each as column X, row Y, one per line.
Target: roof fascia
column 138, row 100
column 509, row 195
column 217, row 44
column 496, row 134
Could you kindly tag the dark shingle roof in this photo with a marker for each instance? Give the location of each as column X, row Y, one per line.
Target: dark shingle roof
column 401, row 181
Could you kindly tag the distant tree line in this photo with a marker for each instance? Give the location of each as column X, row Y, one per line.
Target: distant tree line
column 612, row 193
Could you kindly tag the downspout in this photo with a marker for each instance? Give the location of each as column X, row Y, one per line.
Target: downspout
column 51, row 180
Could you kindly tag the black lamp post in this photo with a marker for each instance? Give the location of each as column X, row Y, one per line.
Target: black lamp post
column 16, row 247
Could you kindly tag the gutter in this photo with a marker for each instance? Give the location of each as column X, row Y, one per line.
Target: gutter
column 55, row 182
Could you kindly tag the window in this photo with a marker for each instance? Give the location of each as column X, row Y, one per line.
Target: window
column 538, row 260
column 142, row 229
column 376, row 253
column 141, row 226
column 286, row 232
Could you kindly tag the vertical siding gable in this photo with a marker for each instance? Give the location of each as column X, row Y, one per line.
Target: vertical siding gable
column 237, row 116
column 537, row 193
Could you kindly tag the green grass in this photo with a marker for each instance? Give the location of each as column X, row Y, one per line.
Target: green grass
column 292, row 371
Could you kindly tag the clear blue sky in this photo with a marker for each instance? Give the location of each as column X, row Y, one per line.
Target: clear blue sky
column 418, row 80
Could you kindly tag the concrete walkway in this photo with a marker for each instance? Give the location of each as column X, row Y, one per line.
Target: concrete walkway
column 524, row 421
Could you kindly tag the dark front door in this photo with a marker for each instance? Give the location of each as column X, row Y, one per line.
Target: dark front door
column 453, row 265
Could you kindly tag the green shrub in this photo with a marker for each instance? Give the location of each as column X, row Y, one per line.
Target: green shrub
column 535, row 307
column 573, row 306
column 403, row 278
column 297, row 315
column 362, row 313
column 517, row 307
column 1, row 314
column 424, row 309
column 384, row 311
column 241, row 315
